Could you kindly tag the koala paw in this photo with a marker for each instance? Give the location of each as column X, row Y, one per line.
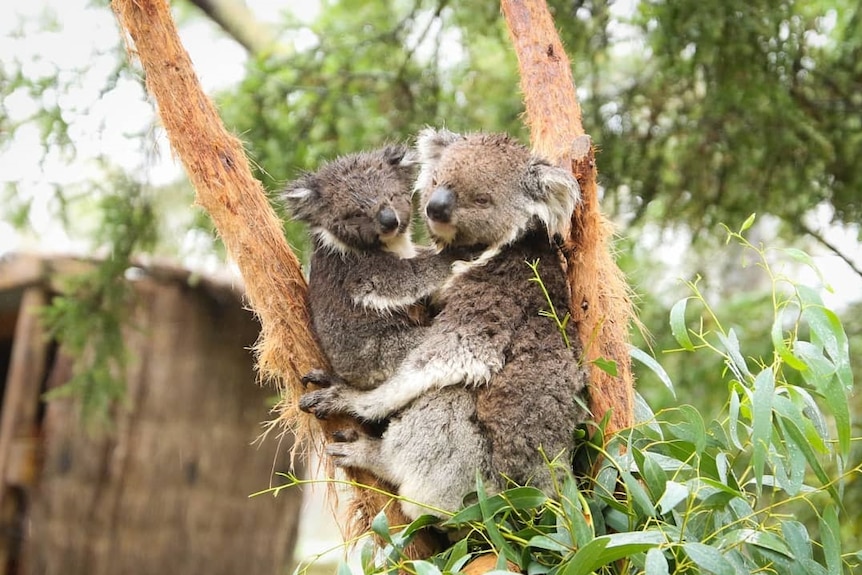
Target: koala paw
column 320, row 378
column 323, row 402
column 351, row 454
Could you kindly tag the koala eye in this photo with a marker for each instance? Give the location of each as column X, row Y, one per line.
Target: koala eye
column 482, row 200
column 433, row 181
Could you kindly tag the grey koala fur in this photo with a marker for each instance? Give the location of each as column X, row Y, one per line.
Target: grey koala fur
column 492, row 380
column 367, row 281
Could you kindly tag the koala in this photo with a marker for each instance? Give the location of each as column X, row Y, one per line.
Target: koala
column 367, row 281
column 491, row 381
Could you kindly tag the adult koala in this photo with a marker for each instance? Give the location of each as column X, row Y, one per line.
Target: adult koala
column 492, row 381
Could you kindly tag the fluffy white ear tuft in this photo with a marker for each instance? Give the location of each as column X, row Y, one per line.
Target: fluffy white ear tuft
column 297, row 194
column 299, row 200
column 411, row 158
column 431, row 142
column 558, row 195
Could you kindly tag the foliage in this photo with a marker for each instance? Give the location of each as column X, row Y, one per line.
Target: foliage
column 680, row 493
column 89, row 317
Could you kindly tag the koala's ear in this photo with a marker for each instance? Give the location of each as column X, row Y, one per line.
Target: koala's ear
column 555, row 193
column 430, row 143
column 299, row 197
column 400, row 156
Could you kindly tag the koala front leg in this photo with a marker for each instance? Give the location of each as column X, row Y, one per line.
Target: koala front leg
column 442, row 359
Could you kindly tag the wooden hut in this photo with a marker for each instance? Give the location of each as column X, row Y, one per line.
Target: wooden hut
column 165, row 488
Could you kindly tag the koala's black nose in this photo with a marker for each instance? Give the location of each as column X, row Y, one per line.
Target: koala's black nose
column 440, row 205
column 388, row 219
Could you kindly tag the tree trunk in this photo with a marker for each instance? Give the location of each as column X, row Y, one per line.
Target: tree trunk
column 601, row 305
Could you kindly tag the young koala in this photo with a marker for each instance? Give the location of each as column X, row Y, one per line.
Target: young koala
column 492, row 380
column 366, row 278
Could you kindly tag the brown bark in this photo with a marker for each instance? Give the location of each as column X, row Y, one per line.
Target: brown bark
column 601, row 305
column 251, row 232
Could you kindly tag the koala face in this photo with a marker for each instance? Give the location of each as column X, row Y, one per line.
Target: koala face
column 358, row 202
column 486, row 189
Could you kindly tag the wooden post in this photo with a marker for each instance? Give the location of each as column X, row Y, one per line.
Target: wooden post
column 19, row 434
column 601, row 305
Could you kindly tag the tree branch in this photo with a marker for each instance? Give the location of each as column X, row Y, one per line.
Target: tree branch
column 240, row 23
column 829, row 245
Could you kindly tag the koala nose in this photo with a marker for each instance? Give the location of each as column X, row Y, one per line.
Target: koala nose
column 440, row 205
column 388, row 219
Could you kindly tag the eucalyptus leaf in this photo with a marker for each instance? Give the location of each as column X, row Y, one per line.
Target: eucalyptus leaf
column 761, row 433
column 677, row 325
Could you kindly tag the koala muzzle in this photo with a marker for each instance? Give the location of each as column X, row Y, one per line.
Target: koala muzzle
column 388, row 219
column 440, row 205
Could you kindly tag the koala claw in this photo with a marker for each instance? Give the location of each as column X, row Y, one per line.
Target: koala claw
column 319, row 378
column 321, row 402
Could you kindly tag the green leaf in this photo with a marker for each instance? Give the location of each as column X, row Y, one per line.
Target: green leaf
column 677, row 325
column 380, row 526
column 780, row 345
column 425, row 568
column 573, row 508
column 797, row 538
column 733, row 420
column 737, row 361
column 344, row 568
column 419, row 523
column 795, row 462
column 763, row 539
column 821, row 375
column 656, row 563
column 457, row 556
column 645, row 416
column 609, row 548
column 695, row 429
column 761, row 434
column 674, row 493
column 546, row 542
column 652, row 473
column 639, row 496
column 749, row 221
column 708, row 558
column 654, row 366
column 793, row 431
column 828, row 330
column 608, row 366
column 831, row 539
column 519, row 498
column 491, row 528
